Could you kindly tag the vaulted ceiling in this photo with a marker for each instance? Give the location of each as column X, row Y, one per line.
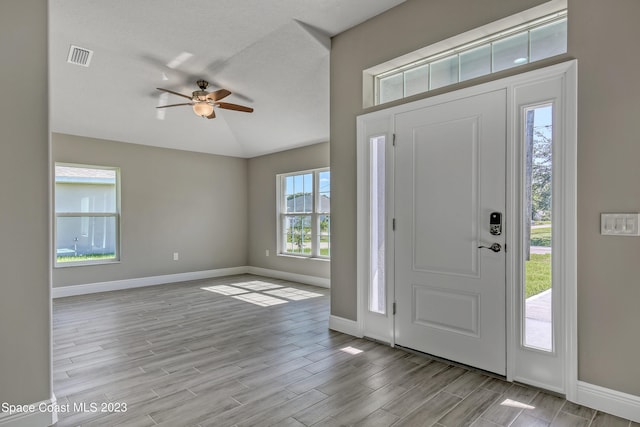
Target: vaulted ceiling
column 272, row 55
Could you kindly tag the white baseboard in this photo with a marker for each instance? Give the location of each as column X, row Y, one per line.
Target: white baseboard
column 116, row 285
column 346, row 326
column 610, row 401
column 300, row 278
column 44, row 414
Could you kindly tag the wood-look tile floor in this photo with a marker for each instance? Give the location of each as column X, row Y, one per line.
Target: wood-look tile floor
column 251, row 351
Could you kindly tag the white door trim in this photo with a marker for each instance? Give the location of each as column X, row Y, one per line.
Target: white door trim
column 562, row 369
column 385, row 119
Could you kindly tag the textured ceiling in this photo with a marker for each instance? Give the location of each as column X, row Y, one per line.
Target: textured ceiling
column 272, row 55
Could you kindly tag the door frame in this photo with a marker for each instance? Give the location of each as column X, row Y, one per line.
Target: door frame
column 382, row 123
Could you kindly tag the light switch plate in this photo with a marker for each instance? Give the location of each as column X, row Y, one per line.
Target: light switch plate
column 619, row 224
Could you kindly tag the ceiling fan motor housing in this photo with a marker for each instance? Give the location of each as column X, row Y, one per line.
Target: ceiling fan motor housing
column 199, row 95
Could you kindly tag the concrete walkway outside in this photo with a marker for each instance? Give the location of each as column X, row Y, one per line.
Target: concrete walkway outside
column 540, row 250
column 538, row 324
column 538, row 320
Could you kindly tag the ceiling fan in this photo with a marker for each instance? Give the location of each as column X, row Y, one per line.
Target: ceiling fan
column 203, row 102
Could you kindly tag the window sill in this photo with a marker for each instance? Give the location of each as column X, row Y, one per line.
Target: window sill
column 324, row 259
column 84, row 263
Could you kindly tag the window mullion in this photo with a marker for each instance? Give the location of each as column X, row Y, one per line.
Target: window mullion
column 315, row 241
column 87, row 214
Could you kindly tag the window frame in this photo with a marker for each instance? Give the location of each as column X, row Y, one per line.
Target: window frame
column 455, row 52
column 315, row 215
column 117, row 215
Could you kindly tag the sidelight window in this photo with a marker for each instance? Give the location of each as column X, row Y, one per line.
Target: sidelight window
column 377, row 205
column 538, row 227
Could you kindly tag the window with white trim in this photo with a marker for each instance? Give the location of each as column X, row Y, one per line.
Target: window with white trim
column 304, row 213
column 534, row 40
column 87, row 215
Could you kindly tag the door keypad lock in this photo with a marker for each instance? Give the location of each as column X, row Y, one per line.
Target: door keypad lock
column 495, row 223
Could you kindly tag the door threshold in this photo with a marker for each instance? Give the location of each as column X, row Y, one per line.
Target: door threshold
column 452, row 363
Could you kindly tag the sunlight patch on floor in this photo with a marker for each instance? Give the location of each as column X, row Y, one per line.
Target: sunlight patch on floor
column 293, row 294
column 351, row 350
column 260, row 299
column 257, row 285
column 516, row 404
column 263, row 294
column 225, row 290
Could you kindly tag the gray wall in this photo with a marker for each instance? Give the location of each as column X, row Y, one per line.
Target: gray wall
column 25, row 305
column 601, row 34
column 262, row 208
column 171, row 201
column 603, row 37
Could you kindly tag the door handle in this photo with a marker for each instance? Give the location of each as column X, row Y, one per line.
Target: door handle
column 496, row 247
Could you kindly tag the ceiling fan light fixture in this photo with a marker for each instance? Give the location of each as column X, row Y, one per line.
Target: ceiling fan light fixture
column 202, row 109
column 203, row 102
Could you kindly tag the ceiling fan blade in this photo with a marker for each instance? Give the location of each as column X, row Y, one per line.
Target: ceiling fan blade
column 174, row 105
column 218, row 94
column 212, row 115
column 235, row 107
column 175, row 93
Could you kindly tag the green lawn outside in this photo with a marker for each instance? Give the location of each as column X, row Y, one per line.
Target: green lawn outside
column 307, row 251
column 538, row 274
column 541, row 236
column 81, row 258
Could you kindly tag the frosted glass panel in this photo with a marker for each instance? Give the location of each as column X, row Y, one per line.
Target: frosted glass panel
column 511, row 52
column 475, row 62
column 416, row 80
column 549, row 40
column 444, row 72
column 377, row 279
column 391, row 88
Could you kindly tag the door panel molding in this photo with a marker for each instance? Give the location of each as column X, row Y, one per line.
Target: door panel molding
column 441, row 254
column 437, row 298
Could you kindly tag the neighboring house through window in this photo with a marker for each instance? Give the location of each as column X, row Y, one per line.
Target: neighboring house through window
column 304, row 213
column 87, row 214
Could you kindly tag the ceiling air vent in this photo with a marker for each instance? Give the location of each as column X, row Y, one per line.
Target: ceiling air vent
column 79, row 56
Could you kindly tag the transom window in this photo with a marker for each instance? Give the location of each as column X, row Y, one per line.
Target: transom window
column 535, row 40
column 304, row 219
column 87, row 214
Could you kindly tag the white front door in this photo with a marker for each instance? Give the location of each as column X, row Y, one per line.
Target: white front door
column 450, row 178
